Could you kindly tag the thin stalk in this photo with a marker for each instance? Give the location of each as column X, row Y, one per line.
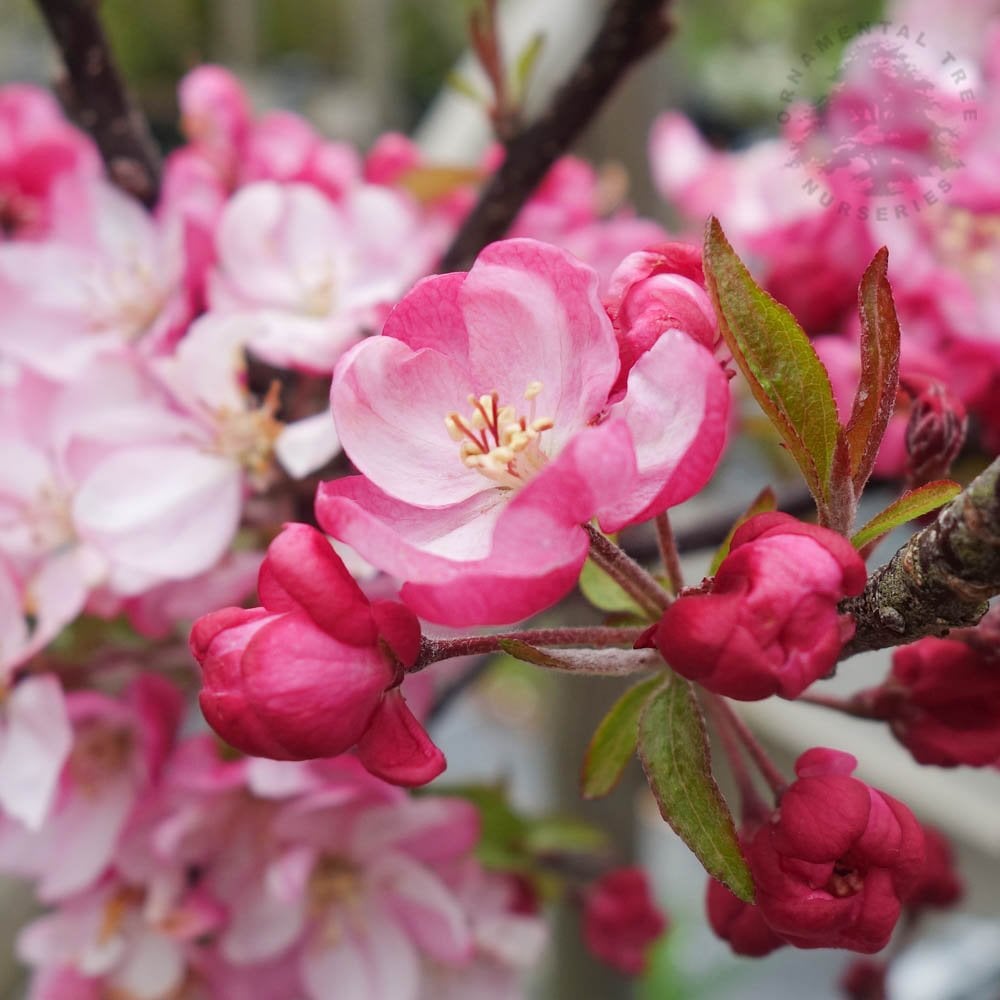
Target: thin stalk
column 668, row 552
column 435, row 650
column 753, row 808
column 774, row 778
column 628, row 574
column 838, row 705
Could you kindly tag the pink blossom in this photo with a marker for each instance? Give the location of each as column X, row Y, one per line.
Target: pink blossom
column 769, row 622
column 118, row 750
column 311, row 276
column 481, row 514
column 44, row 162
column 108, row 277
column 35, row 740
column 307, row 675
column 280, row 146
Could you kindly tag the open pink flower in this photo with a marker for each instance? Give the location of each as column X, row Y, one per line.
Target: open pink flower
column 309, row 276
column 307, row 675
column 482, row 423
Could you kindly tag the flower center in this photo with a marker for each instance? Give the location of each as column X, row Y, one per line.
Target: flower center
column 845, row 881
column 497, row 441
column 248, row 436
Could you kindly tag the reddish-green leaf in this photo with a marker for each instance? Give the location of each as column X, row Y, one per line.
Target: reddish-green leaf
column 673, row 748
column 909, row 506
column 615, row 740
column 785, row 374
column 765, row 501
column 876, row 396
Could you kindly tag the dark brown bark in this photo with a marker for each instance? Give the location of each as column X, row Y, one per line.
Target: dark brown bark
column 630, row 30
column 95, row 95
column 941, row 579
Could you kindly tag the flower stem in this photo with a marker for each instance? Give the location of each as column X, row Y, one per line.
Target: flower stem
column 668, row 552
column 752, row 808
column 434, row 650
column 839, row 705
column 627, row 573
column 771, row 774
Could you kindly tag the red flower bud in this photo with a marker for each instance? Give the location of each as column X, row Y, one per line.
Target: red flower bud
column 942, row 702
column 935, row 431
column 310, row 674
column 769, row 624
column 654, row 290
column 864, row 980
column 739, row 923
column 621, row 920
column 939, row 886
column 837, row 859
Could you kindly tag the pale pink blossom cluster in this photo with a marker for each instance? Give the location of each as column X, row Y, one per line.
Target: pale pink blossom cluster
column 163, row 375
column 173, row 867
column 903, row 153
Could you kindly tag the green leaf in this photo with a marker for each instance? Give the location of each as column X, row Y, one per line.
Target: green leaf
column 784, row 372
column 876, row 396
column 605, row 594
column 615, row 740
column 909, row 506
column 764, row 502
column 673, row 748
column 465, row 87
column 611, row 662
column 525, row 64
column 563, row 835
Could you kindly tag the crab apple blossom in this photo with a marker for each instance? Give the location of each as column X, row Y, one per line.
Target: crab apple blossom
column 837, row 860
column 940, row 886
column 657, row 289
column 621, row 920
column 310, row 275
column 942, row 702
column 315, row 671
column 768, row 623
column 738, row 923
column 484, row 428
column 35, row 740
column 43, row 162
column 109, row 278
column 118, row 751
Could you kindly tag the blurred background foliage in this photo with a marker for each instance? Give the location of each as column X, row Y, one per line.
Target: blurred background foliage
column 387, row 58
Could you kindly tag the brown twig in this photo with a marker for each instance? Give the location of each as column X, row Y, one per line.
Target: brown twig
column 630, row 30
column 95, row 95
column 941, row 579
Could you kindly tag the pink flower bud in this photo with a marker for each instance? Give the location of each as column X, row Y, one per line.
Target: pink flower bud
column 935, row 431
column 769, row 624
column 837, row 859
column 655, row 290
column 621, row 920
column 315, row 670
column 942, row 702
